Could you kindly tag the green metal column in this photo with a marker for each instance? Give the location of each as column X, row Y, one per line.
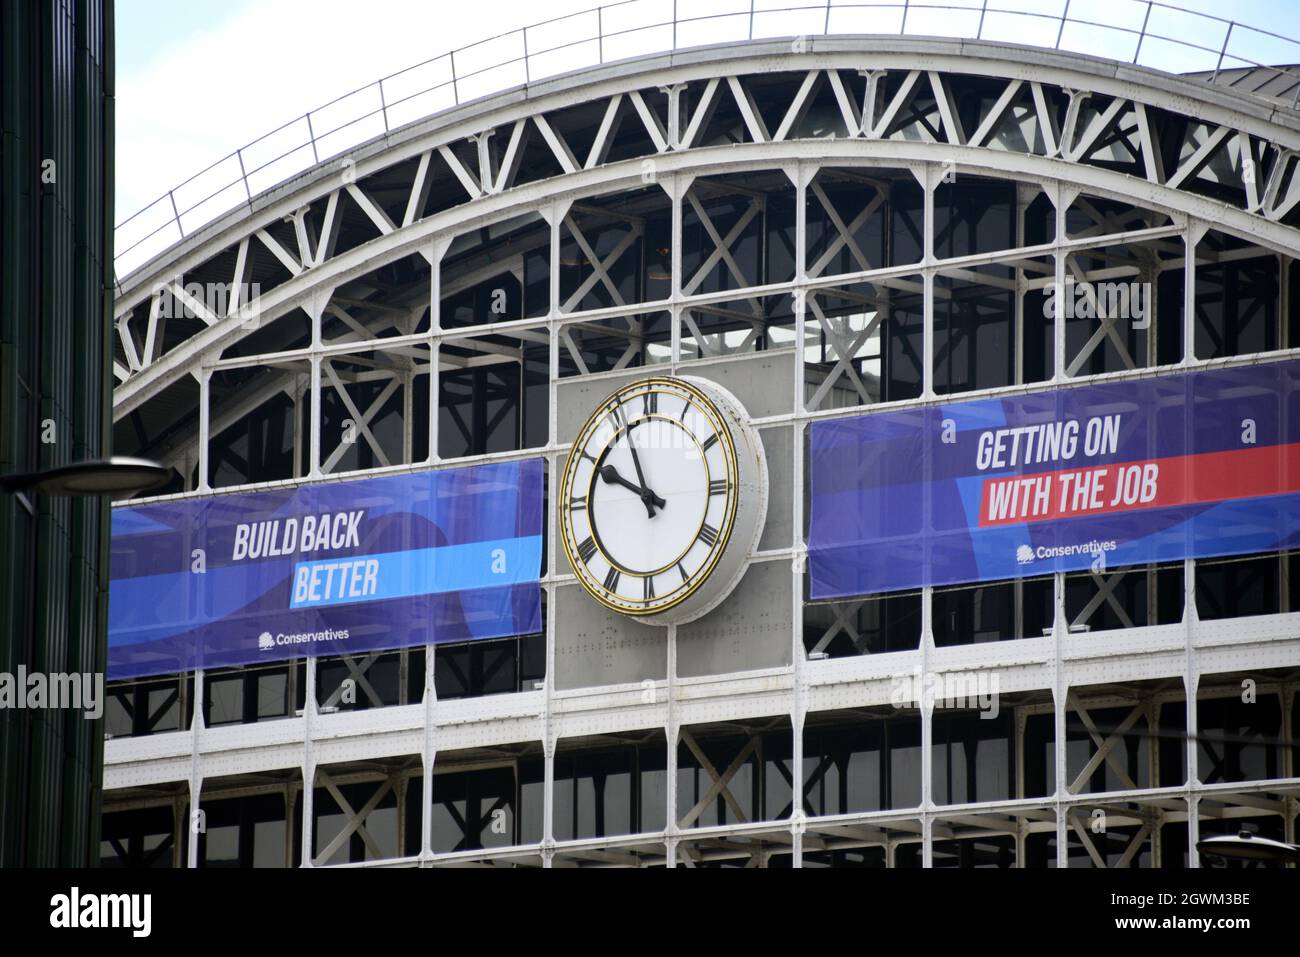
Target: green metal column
column 56, row 212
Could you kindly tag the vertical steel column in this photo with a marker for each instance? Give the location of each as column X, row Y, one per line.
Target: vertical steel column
column 313, row 464
column 428, row 757
column 1195, row 231
column 926, row 704
column 926, row 707
column 308, row 764
column 1191, row 677
column 1018, row 307
column 926, row 176
column 205, row 414
column 1060, row 693
column 803, row 174
column 676, row 188
column 556, row 212
column 195, row 821
column 314, row 355
column 671, row 731
column 1192, row 680
column 1025, row 195
column 672, row 727
column 1061, row 199
column 437, row 251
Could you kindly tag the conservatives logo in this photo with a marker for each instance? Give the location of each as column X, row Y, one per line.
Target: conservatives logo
column 268, row 642
column 1095, row 548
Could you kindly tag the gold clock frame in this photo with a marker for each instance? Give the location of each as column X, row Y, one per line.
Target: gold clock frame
column 722, row 428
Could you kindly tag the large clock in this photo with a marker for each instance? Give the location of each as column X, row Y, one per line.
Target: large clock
column 663, row 499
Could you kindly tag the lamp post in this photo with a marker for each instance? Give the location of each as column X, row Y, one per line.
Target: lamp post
column 1247, row 846
column 112, row 476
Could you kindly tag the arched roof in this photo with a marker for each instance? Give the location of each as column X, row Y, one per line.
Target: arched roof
column 1178, row 146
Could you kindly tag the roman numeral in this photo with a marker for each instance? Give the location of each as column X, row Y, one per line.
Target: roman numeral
column 648, row 587
column 718, row 487
column 578, row 504
column 588, row 456
column 709, row 535
column 710, row 442
column 686, row 408
column 587, row 550
column 682, row 568
column 611, row 580
column 651, row 403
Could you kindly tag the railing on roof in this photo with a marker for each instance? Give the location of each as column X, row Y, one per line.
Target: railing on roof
column 1160, row 35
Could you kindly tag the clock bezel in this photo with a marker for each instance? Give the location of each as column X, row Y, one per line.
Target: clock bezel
column 722, row 425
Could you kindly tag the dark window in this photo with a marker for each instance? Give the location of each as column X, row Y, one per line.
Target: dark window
column 487, row 807
column 878, row 624
column 973, row 756
column 138, row 838
column 999, row 611
column 610, row 790
column 759, row 786
column 854, row 763
column 253, row 831
column 249, row 695
column 391, row 678
column 148, row 706
column 1238, row 587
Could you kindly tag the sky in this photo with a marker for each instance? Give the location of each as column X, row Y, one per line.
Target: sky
column 200, row 78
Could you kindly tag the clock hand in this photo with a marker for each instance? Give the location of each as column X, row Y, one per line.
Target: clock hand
column 647, row 495
column 610, row 474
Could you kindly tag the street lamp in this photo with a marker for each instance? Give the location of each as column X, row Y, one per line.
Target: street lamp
column 118, row 475
column 1246, row 846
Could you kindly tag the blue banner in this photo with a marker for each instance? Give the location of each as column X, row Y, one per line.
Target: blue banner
column 1163, row 468
column 326, row 569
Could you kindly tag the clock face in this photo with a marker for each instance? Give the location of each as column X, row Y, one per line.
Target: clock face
column 662, row 498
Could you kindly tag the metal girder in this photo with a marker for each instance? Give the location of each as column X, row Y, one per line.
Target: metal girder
column 296, row 291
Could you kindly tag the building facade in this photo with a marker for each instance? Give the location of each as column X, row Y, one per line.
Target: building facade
column 825, row 227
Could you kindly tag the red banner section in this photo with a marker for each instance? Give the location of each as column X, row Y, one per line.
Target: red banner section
column 1141, row 485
